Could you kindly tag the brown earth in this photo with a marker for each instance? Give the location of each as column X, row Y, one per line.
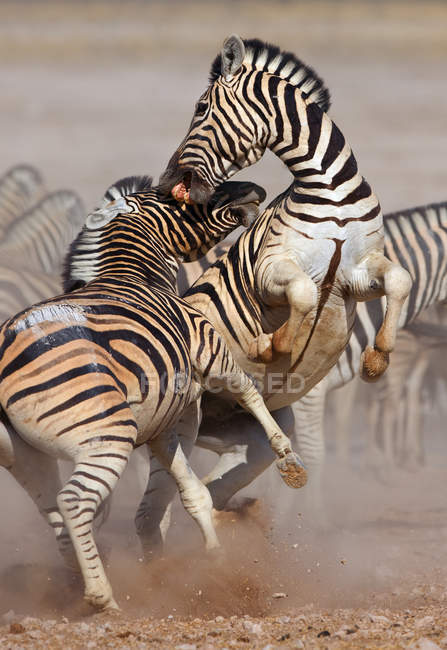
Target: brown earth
column 94, row 91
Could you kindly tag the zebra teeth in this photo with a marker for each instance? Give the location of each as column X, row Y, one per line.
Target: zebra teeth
column 187, row 198
column 179, row 192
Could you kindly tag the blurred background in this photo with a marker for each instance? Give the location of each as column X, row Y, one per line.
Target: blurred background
column 93, row 91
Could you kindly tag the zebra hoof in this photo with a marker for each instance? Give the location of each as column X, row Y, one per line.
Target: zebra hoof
column 101, row 601
column 373, row 364
column 292, row 470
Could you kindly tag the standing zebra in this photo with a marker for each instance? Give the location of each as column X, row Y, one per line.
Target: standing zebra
column 115, row 363
column 21, row 287
column 415, row 238
column 284, row 297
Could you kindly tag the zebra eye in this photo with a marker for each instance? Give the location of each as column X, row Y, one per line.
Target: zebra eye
column 201, row 109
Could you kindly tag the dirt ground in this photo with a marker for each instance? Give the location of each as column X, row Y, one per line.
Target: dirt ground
column 94, row 91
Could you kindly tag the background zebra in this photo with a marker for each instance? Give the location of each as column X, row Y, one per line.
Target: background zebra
column 395, row 414
column 116, row 362
column 21, row 187
column 35, row 230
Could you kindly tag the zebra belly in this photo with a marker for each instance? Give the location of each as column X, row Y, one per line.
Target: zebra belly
column 157, row 413
column 314, row 353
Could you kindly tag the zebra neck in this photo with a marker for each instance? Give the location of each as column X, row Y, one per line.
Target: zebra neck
column 189, row 231
column 315, row 151
column 123, row 252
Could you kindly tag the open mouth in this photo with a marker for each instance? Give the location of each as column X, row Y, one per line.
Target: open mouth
column 181, row 191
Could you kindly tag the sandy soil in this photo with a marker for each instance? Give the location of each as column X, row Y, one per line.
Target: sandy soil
column 95, row 91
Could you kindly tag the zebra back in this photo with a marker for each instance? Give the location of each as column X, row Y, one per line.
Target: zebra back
column 21, row 187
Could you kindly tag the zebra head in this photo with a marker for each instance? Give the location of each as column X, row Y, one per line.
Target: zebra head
column 215, row 146
column 238, row 116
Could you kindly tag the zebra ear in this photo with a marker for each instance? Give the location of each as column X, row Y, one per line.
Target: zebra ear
column 232, row 55
column 96, row 219
column 101, row 217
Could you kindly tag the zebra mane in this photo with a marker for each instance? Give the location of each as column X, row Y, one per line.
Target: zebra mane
column 267, row 57
column 80, row 264
column 128, row 185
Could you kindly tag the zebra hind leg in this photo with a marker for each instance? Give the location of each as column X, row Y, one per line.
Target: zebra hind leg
column 154, row 512
column 173, row 455
column 38, row 474
column 99, row 463
column 194, row 495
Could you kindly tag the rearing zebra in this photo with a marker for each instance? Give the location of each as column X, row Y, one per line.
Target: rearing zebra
column 319, row 247
column 284, row 296
column 115, row 363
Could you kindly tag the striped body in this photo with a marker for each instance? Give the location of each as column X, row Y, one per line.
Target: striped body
column 115, row 362
column 284, row 297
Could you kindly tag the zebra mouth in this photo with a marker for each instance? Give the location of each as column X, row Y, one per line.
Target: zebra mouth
column 191, row 189
column 185, row 185
column 182, row 190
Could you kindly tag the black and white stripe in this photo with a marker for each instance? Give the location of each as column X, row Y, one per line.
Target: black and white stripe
column 324, row 232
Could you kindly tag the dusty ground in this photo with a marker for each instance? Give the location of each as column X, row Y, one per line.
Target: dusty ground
column 92, row 92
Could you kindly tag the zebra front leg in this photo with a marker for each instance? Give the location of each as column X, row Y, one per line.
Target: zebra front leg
column 413, row 450
column 244, row 453
column 289, row 464
column 284, row 283
column 194, row 495
column 395, row 283
column 99, row 462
